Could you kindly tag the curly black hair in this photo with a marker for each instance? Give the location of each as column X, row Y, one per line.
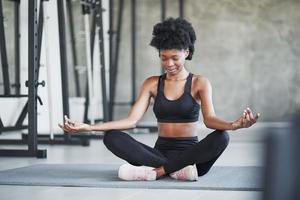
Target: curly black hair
column 174, row 34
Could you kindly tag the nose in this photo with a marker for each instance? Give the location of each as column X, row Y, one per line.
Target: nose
column 169, row 63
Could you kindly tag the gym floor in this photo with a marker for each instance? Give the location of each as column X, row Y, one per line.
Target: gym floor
column 245, row 149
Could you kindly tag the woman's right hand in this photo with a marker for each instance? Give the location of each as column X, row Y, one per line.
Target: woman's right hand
column 72, row 126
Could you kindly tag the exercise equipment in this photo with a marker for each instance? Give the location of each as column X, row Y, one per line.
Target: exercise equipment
column 35, row 45
column 90, row 74
column 32, row 83
column 69, row 11
column 4, row 54
column 54, row 61
column 95, row 54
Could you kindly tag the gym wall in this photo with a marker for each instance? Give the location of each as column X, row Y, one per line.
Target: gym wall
column 249, row 50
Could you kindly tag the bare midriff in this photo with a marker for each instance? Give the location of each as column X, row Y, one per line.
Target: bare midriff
column 177, row 129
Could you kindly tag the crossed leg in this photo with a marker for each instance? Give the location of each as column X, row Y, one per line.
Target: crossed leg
column 136, row 153
column 203, row 154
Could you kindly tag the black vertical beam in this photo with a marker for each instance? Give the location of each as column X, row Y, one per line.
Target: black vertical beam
column 86, row 103
column 116, row 56
column 40, row 36
column 17, row 46
column 181, row 8
column 93, row 31
column 85, row 8
column 73, row 46
column 111, row 46
column 99, row 20
column 63, row 59
column 3, row 52
column 133, row 50
column 93, row 14
column 38, row 47
column 163, row 7
column 63, row 56
column 32, row 74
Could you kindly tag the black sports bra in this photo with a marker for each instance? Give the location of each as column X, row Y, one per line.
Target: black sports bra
column 183, row 109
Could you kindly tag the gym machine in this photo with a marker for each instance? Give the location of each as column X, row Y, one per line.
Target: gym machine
column 32, row 84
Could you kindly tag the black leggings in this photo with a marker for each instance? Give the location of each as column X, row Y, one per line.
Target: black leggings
column 171, row 153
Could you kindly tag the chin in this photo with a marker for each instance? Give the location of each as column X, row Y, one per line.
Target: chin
column 173, row 73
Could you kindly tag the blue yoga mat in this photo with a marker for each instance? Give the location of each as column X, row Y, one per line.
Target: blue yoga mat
column 106, row 176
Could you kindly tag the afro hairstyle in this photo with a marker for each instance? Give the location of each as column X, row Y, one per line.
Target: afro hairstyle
column 174, row 34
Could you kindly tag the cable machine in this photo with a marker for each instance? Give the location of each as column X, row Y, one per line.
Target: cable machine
column 32, row 83
column 95, row 36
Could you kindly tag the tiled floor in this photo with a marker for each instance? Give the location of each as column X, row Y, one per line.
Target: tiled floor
column 245, row 149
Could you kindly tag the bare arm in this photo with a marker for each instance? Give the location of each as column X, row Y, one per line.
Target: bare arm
column 135, row 114
column 209, row 117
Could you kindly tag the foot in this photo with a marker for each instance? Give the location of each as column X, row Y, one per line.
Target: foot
column 188, row 173
column 129, row 172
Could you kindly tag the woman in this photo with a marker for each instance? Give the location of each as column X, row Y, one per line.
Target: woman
column 178, row 96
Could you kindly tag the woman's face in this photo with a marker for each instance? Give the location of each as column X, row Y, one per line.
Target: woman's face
column 172, row 60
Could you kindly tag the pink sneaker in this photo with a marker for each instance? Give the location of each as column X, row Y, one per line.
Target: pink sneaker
column 188, row 173
column 129, row 172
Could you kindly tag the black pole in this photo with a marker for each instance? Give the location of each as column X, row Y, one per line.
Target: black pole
column 85, row 8
column 63, row 56
column 163, row 7
column 116, row 57
column 111, row 53
column 73, row 47
column 92, row 45
column 17, row 46
column 3, row 52
column 40, row 36
column 32, row 74
column 133, row 50
column 93, row 31
column 181, row 8
column 86, row 103
column 99, row 20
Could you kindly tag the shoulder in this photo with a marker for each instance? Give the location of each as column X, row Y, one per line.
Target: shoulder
column 150, row 81
column 150, row 84
column 201, row 82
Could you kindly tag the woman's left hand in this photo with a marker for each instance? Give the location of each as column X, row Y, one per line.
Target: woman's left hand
column 246, row 120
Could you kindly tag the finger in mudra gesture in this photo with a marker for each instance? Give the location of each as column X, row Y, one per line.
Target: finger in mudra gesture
column 246, row 120
column 72, row 126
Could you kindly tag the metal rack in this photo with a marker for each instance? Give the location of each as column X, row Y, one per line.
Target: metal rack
column 31, row 142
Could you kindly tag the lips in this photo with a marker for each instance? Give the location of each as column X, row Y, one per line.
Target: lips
column 171, row 70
